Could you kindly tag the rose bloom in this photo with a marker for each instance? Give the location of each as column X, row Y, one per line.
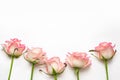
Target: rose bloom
column 35, row 55
column 55, row 66
column 13, row 47
column 78, row 60
column 105, row 50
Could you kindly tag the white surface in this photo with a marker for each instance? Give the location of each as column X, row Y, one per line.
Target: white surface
column 60, row 27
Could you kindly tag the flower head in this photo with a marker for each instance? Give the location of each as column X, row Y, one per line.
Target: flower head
column 55, row 66
column 78, row 60
column 105, row 50
column 13, row 47
column 35, row 55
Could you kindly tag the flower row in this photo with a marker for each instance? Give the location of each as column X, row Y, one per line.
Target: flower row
column 77, row 60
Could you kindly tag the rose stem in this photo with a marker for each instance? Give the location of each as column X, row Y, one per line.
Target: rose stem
column 106, row 68
column 32, row 71
column 12, row 61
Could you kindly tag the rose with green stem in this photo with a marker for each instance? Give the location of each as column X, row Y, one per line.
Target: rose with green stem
column 35, row 56
column 104, row 51
column 54, row 67
column 14, row 49
column 78, row 60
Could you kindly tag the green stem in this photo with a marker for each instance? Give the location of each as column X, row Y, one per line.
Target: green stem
column 55, row 76
column 12, row 61
column 106, row 68
column 77, row 73
column 32, row 71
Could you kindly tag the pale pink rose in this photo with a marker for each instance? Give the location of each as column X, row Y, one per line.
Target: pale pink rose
column 78, row 60
column 35, row 55
column 55, row 66
column 13, row 47
column 105, row 50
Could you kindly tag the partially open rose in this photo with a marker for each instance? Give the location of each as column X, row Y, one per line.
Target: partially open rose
column 105, row 50
column 78, row 60
column 35, row 55
column 55, row 66
column 13, row 47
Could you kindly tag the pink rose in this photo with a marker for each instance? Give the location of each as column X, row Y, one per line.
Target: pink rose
column 55, row 66
column 105, row 50
column 13, row 47
column 78, row 60
column 35, row 55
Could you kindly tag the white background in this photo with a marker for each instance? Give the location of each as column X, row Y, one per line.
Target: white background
column 60, row 26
